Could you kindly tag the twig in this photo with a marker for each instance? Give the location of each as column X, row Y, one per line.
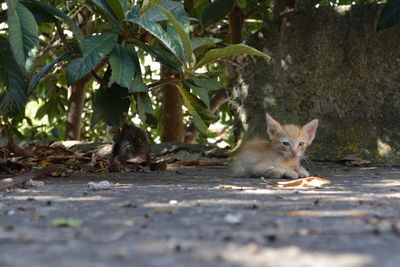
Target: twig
column 194, row 163
column 19, row 179
column 265, row 181
column 98, row 78
column 61, row 32
column 163, row 82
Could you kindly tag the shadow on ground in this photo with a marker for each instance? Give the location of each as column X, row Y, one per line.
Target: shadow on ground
column 205, row 217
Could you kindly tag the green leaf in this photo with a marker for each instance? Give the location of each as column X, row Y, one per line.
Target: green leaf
column 229, row 51
column 148, row 5
column 390, row 15
column 4, row 54
column 122, row 66
column 117, row 8
column 41, row 15
column 197, row 3
column 13, row 100
column 62, row 222
column 202, row 93
column 112, row 19
column 210, row 84
column 190, row 102
column 160, row 55
column 43, row 71
column 164, row 37
column 65, row 19
column 124, row 4
column 111, row 105
column 184, row 37
column 216, row 11
column 241, row 3
column 137, row 84
column 134, row 12
column 204, row 42
column 97, row 48
column 174, row 7
column 23, row 35
column 143, row 105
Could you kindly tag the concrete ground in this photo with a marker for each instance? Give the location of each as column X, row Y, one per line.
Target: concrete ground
column 204, row 217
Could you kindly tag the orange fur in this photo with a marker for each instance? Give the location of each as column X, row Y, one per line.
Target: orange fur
column 279, row 158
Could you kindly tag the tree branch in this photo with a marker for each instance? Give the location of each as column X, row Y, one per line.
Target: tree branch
column 163, row 82
column 61, row 32
column 19, row 179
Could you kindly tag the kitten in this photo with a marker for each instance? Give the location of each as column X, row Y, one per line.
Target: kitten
column 279, row 158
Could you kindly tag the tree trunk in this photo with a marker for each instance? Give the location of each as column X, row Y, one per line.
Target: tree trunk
column 77, row 91
column 235, row 19
column 171, row 121
column 75, row 109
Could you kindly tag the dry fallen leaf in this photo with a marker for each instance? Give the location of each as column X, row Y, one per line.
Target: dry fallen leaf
column 224, row 186
column 304, row 182
column 362, row 162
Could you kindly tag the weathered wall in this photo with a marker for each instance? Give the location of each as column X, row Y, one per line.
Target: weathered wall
column 330, row 64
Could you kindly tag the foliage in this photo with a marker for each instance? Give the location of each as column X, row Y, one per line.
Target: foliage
column 157, row 28
column 187, row 37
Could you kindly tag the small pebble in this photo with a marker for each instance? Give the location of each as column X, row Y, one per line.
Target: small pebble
column 103, row 185
column 11, row 212
column 173, row 202
column 233, row 218
column 34, row 184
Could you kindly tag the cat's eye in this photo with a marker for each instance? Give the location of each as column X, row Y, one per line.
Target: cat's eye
column 301, row 144
column 286, row 143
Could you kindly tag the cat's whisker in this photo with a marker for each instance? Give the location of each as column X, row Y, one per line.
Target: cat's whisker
column 306, row 159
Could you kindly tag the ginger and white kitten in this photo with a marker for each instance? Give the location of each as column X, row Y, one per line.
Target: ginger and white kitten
column 279, row 158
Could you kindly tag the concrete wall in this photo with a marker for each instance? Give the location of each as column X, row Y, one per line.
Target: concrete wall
column 330, row 64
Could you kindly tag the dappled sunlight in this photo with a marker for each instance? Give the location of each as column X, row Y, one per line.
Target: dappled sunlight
column 301, row 191
column 323, row 213
column 66, row 199
column 204, row 201
column 253, row 255
column 234, row 187
column 384, row 149
column 384, row 183
column 386, row 195
column 258, row 191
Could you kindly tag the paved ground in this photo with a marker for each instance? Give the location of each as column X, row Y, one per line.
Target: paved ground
column 205, row 217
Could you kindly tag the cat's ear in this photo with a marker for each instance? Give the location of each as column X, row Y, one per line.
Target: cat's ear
column 310, row 129
column 273, row 126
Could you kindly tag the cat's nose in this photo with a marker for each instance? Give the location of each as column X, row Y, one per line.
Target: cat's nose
column 294, row 153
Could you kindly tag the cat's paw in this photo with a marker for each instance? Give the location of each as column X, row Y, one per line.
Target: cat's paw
column 303, row 173
column 290, row 175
